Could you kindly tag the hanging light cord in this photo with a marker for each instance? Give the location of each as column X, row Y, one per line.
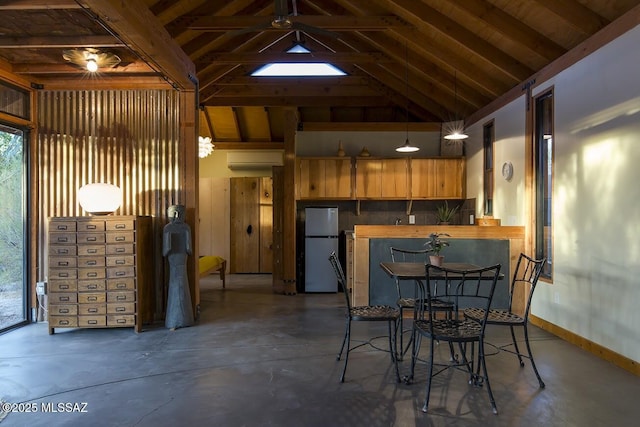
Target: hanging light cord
column 406, row 79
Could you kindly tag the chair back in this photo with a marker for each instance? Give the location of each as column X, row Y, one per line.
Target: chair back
column 342, row 281
column 462, row 288
column 408, row 255
column 526, row 274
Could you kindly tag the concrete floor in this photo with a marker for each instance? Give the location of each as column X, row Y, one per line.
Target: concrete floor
column 259, row 359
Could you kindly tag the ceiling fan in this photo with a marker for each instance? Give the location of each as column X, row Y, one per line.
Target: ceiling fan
column 283, row 21
column 90, row 58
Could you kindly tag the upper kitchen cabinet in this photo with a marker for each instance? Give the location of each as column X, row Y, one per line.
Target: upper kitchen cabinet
column 382, row 178
column 438, row 178
column 323, row 178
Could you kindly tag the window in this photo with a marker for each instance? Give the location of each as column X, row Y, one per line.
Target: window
column 543, row 158
column 13, row 235
column 488, row 138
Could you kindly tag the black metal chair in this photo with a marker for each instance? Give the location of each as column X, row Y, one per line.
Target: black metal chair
column 367, row 313
column 408, row 303
column 525, row 276
column 462, row 288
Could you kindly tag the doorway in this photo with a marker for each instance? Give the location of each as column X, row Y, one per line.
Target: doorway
column 13, row 243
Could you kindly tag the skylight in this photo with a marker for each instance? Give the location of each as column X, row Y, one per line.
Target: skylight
column 298, row 48
column 298, row 69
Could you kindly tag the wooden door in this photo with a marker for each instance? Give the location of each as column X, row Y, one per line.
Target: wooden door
column 245, row 225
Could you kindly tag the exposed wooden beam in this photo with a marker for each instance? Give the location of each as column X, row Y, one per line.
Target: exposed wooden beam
column 66, row 68
column 511, row 28
column 335, row 23
column 39, row 4
column 272, row 101
column 269, row 57
column 233, row 80
column 369, row 126
column 57, row 42
column 307, row 90
column 139, row 28
column 576, row 14
column 421, row 15
column 249, row 145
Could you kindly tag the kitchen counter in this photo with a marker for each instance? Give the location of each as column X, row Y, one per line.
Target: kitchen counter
column 482, row 245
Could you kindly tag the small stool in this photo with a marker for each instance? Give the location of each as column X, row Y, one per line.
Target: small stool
column 208, row 264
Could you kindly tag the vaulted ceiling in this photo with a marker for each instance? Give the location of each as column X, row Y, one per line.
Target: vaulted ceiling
column 437, row 59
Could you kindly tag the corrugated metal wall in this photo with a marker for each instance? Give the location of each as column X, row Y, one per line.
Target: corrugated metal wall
column 129, row 138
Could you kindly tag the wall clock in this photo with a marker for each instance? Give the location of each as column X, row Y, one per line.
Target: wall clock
column 507, row 171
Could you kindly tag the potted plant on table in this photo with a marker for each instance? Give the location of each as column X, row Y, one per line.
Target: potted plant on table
column 435, row 245
column 445, row 214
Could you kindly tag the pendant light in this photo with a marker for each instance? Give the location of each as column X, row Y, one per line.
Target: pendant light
column 407, row 147
column 455, row 129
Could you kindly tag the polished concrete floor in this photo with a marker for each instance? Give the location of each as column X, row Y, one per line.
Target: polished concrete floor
column 259, row 359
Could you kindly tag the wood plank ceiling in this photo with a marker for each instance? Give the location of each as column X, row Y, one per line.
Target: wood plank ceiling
column 428, row 60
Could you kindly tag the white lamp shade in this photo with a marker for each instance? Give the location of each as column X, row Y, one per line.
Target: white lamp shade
column 100, row 198
column 205, row 147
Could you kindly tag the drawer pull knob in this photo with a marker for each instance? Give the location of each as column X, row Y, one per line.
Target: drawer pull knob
column 120, row 250
column 120, row 309
column 121, row 285
column 92, row 287
column 64, row 322
column 121, row 298
column 92, row 299
column 64, row 274
column 92, row 251
column 64, row 286
column 63, row 263
column 63, row 251
column 120, row 273
column 64, row 298
column 92, row 274
column 91, row 263
column 92, row 322
column 91, row 239
column 93, row 310
column 120, row 238
column 63, row 311
column 62, row 227
column 91, row 227
column 119, row 262
column 122, row 321
column 120, row 226
column 63, row 239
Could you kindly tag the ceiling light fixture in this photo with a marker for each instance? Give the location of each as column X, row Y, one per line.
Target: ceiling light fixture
column 205, row 147
column 407, row 147
column 455, row 129
column 91, row 59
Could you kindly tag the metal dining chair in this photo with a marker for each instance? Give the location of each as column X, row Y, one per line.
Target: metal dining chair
column 404, row 302
column 463, row 288
column 367, row 313
column 526, row 274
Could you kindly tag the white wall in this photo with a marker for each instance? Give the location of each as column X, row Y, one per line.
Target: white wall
column 596, row 194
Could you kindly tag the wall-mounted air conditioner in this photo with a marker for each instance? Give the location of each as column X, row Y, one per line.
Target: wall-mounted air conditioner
column 258, row 159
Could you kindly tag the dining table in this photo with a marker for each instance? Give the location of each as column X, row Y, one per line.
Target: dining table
column 416, row 271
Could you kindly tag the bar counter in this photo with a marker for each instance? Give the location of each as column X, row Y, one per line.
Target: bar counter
column 480, row 245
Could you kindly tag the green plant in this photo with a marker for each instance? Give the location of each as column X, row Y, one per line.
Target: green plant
column 445, row 214
column 435, row 244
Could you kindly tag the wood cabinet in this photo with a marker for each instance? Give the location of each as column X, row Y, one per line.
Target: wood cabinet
column 382, row 178
column 323, row 178
column 438, row 178
column 97, row 275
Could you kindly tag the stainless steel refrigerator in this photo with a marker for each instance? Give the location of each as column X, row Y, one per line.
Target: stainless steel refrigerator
column 320, row 239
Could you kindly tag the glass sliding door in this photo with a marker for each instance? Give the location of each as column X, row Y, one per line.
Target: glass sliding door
column 13, row 236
